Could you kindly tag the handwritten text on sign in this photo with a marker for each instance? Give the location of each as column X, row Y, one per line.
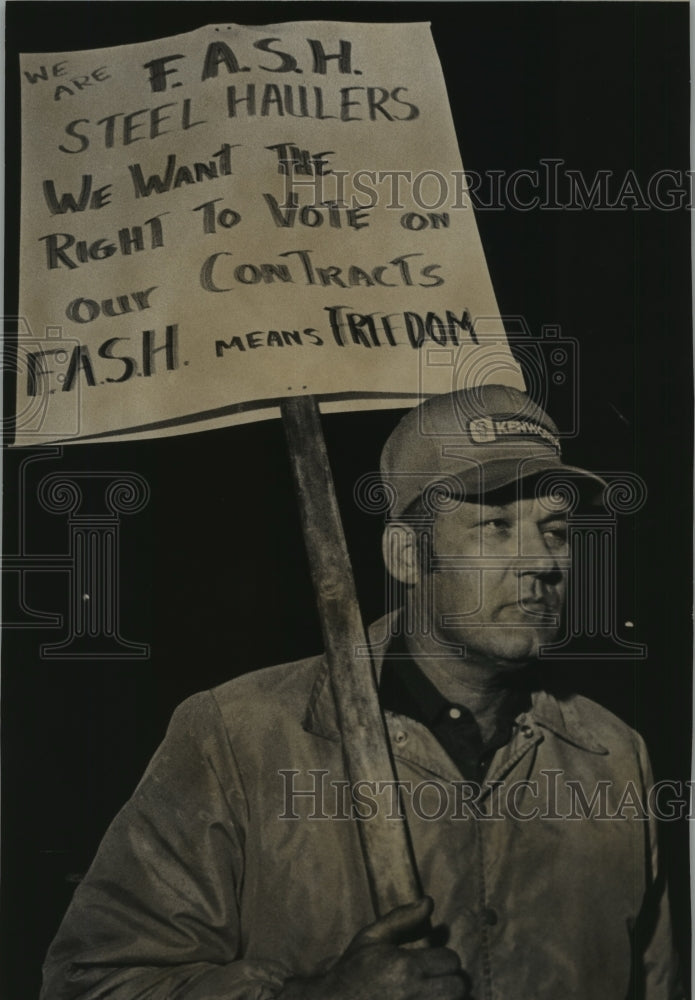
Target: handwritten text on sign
column 206, row 228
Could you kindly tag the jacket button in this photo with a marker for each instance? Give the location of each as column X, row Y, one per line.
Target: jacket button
column 400, row 736
column 490, row 916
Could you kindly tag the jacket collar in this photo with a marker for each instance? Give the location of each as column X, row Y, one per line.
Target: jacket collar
column 321, row 717
column 558, row 716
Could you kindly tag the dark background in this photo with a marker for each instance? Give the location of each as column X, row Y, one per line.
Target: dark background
column 213, row 575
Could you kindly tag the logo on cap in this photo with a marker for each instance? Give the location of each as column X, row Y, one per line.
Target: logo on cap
column 482, row 431
column 485, row 430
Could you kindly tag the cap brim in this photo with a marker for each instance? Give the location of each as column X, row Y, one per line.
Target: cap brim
column 496, row 474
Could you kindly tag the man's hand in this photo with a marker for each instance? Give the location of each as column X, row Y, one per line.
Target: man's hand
column 375, row 967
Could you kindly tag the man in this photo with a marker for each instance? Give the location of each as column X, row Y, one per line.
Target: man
column 235, row 871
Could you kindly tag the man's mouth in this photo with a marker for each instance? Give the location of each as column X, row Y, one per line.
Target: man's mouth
column 534, row 610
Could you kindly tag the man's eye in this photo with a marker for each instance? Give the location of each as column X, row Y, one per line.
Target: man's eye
column 496, row 526
column 555, row 538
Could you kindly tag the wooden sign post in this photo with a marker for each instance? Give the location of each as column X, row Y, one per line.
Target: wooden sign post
column 385, row 840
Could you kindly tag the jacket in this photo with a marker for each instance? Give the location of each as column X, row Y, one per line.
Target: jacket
column 237, row 865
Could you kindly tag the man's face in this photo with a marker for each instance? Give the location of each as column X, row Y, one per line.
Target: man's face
column 496, row 580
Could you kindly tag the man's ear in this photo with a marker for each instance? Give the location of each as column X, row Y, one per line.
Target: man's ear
column 400, row 549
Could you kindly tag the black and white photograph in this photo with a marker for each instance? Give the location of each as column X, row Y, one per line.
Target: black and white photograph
column 347, row 524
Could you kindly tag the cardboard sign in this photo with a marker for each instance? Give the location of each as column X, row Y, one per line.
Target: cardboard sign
column 217, row 220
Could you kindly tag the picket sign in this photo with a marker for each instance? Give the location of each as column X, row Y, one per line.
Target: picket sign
column 200, row 248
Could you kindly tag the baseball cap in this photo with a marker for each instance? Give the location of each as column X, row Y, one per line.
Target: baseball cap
column 476, row 440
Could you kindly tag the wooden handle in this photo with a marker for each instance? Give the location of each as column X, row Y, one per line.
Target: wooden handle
column 386, row 845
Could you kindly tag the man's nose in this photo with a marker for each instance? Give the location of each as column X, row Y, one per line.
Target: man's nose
column 551, row 575
column 536, row 557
